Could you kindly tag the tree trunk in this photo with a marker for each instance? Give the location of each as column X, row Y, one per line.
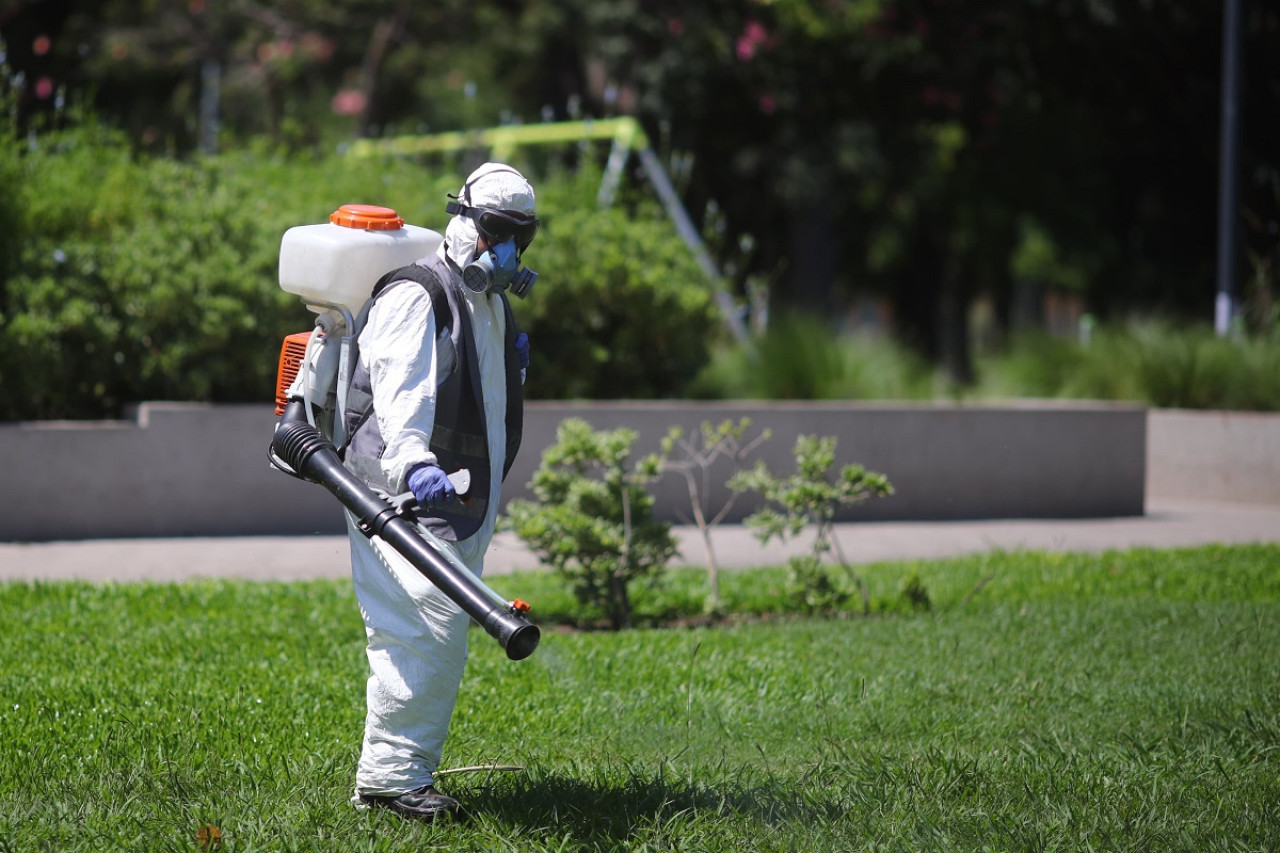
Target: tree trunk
column 815, row 255
column 384, row 32
column 955, row 353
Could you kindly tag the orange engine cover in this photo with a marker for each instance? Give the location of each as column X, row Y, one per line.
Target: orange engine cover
column 291, row 353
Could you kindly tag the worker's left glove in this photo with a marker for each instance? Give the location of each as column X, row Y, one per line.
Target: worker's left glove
column 522, row 349
column 430, row 485
column 522, row 352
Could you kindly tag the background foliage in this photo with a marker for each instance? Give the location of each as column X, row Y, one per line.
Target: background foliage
column 135, row 277
column 1145, row 361
column 913, row 155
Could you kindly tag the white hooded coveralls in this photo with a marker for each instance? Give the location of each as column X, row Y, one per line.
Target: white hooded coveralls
column 417, row 637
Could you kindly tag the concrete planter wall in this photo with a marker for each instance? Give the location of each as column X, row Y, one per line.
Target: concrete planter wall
column 945, row 462
column 181, row 469
column 1214, row 456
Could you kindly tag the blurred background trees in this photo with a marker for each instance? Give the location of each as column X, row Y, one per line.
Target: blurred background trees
column 950, row 173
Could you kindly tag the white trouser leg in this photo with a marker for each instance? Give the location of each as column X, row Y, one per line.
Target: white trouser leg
column 417, row 650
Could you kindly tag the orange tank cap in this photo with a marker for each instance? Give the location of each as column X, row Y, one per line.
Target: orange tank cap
column 368, row 217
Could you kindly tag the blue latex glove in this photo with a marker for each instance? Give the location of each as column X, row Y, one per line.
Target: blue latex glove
column 430, row 485
column 522, row 349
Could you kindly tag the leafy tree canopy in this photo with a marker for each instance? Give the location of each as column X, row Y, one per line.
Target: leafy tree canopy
column 922, row 151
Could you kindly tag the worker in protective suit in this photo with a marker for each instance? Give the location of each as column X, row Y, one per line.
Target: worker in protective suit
column 436, row 387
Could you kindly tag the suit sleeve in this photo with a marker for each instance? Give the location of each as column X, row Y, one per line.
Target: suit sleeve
column 399, row 348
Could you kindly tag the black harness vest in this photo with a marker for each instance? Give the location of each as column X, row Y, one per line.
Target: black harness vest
column 459, row 436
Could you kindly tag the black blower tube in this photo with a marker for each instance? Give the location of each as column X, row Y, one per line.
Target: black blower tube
column 313, row 457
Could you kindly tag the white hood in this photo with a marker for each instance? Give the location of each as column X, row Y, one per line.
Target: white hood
column 494, row 185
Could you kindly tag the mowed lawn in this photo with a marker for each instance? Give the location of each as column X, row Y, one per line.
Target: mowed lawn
column 1122, row 701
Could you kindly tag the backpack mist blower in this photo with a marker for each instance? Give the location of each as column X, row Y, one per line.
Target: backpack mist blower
column 333, row 268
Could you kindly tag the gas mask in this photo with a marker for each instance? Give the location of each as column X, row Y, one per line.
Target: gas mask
column 497, row 269
column 507, row 233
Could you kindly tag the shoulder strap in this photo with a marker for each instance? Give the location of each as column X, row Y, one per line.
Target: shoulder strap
column 444, row 317
column 429, row 281
column 439, row 306
column 515, row 390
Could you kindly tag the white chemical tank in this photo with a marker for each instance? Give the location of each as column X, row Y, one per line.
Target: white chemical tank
column 338, row 263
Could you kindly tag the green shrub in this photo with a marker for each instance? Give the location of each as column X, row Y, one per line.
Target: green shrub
column 723, row 447
column 1156, row 363
column 808, row 501
column 1196, row 369
column 127, row 278
column 592, row 520
column 130, row 278
column 152, row 278
column 801, row 358
column 621, row 309
column 1037, row 364
column 139, row 279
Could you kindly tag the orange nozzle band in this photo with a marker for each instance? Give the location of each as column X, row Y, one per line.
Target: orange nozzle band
column 520, row 606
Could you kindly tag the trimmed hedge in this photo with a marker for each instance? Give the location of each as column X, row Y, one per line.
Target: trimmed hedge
column 125, row 278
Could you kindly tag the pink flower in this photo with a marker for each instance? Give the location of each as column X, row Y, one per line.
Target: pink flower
column 754, row 36
column 318, row 46
column 348, row 102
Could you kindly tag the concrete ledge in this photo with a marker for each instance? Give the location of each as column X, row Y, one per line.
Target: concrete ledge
column 177, row 469
column 1020, row 460
column 1214, row 456
column 180, row 469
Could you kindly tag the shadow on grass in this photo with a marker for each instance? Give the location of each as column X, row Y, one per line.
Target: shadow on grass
column 616, row 808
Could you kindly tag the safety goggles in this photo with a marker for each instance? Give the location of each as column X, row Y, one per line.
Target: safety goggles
column 498, row 226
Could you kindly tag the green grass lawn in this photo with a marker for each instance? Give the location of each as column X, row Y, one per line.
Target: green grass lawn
column 1123, row 701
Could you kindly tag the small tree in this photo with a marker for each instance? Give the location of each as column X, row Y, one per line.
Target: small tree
column 810, row 498
column 599, row 532
column 723, row 443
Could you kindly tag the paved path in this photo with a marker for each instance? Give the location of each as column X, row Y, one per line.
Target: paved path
column 1166, row 525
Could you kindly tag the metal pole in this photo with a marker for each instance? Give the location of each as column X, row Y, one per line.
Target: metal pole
column 689, row 233
column 1228, row 168
column 210, row 94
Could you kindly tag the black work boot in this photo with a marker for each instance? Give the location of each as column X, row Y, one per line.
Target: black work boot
column 425, row 804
